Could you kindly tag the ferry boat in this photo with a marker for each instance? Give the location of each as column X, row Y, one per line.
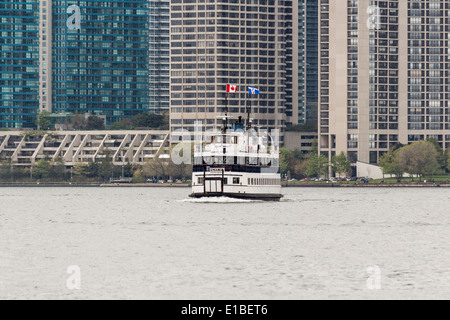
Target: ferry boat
column 237, row 163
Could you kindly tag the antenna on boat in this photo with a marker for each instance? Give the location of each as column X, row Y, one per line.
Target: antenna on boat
column 249, row 111
column 225, row 119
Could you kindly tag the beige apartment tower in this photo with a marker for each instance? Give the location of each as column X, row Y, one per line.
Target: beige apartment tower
column 384, row 75
column 240, row 42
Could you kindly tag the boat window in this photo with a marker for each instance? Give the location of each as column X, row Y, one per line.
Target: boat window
column 216, row 160
column 225, row 180
column 200, row 180
column 253, row 161
column 236, row 180
column 207, row 160
column 229, row 160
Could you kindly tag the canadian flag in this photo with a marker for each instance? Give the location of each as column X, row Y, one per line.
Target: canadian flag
column 231, row 88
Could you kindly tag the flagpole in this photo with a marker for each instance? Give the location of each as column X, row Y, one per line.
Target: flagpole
column 248, row 103
column 226, row 112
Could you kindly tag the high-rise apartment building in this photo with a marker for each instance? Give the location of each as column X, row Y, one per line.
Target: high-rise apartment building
column 19, row 63
column 69, row 56
column 240, row 42
column 101, row 65
column 159, row 56
column 308, row 64
column 384, row 75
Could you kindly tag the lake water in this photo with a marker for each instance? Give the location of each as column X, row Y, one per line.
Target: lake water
column 155, row 243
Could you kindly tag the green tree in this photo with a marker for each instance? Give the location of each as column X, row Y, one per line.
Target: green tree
column 43, row 120
column 419, row 158
column 42, row 169
column 285, row 156
column 441, row 156
column 78, row 122
column 105, row 165
column 138, row 177
column 157, row 167
column 58, row 168
column 146, row 120
column 340, row 164
column 95, row 123
column 390, row 164
column 123, row 124
column 317, row 165
column 448, row 159
column 179, row 171
column 300, row 169
column 83, row 171
column 292, row 163
column 80, row 171
column 5, row 170
column 165, row 123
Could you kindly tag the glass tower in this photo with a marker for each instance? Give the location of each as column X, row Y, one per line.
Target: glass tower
column 159, row 56
column 101, row 67
column 308, row 86
column 19, row 63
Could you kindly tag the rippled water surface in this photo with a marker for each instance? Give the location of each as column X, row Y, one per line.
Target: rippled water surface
column 155, row 243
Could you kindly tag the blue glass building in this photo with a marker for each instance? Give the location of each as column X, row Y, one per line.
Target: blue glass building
column 159, row 56
column 308, row 52
column 19, row 63
column 102, row 67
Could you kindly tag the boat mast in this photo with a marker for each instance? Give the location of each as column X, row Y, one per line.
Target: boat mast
column 249, row 111
column 225, row 119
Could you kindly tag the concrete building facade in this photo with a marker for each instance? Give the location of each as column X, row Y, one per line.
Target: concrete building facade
column 384, row 76
column 124, row 147
column 243, row 43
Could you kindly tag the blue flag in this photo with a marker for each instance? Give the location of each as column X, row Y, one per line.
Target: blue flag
column 252, row 90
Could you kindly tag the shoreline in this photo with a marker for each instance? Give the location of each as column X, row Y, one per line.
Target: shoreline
column 92, row 185
column 370, row 185
column 185, row 185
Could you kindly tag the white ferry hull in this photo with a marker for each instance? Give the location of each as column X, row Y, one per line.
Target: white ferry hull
column 246, row 196
column 237, row 185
